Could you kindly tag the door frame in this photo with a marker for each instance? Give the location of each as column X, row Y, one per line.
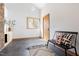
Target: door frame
column 48, row 25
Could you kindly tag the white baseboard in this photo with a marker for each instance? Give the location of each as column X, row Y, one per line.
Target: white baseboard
column 19, row 37
column 5, row 45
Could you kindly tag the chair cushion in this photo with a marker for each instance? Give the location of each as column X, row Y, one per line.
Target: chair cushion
column 64, row 39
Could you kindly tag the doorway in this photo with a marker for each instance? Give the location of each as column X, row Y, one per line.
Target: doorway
column 46, row 27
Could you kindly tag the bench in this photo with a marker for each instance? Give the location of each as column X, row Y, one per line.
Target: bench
column 65, row 39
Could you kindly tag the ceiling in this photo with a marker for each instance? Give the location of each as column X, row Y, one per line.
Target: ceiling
column 40, row 5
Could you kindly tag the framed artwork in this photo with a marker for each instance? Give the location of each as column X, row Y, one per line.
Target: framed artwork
column 33, row 23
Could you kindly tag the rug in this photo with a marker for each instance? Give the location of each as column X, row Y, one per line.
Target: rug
column 40, row 50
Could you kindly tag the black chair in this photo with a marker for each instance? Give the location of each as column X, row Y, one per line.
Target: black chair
column 66, row 47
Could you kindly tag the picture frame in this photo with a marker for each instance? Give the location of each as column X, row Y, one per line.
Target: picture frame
column 33, row 23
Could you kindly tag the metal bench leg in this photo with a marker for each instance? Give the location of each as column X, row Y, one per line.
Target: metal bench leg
column 47, row 43
column 76, row 52
column 65, row 52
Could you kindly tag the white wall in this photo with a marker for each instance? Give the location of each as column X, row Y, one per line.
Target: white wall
column 19, row 12
column 63, row 17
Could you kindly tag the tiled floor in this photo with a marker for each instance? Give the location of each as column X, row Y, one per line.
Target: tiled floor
column 18, row 47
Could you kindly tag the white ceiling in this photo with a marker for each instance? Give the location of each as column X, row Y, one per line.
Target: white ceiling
column 40, row 5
